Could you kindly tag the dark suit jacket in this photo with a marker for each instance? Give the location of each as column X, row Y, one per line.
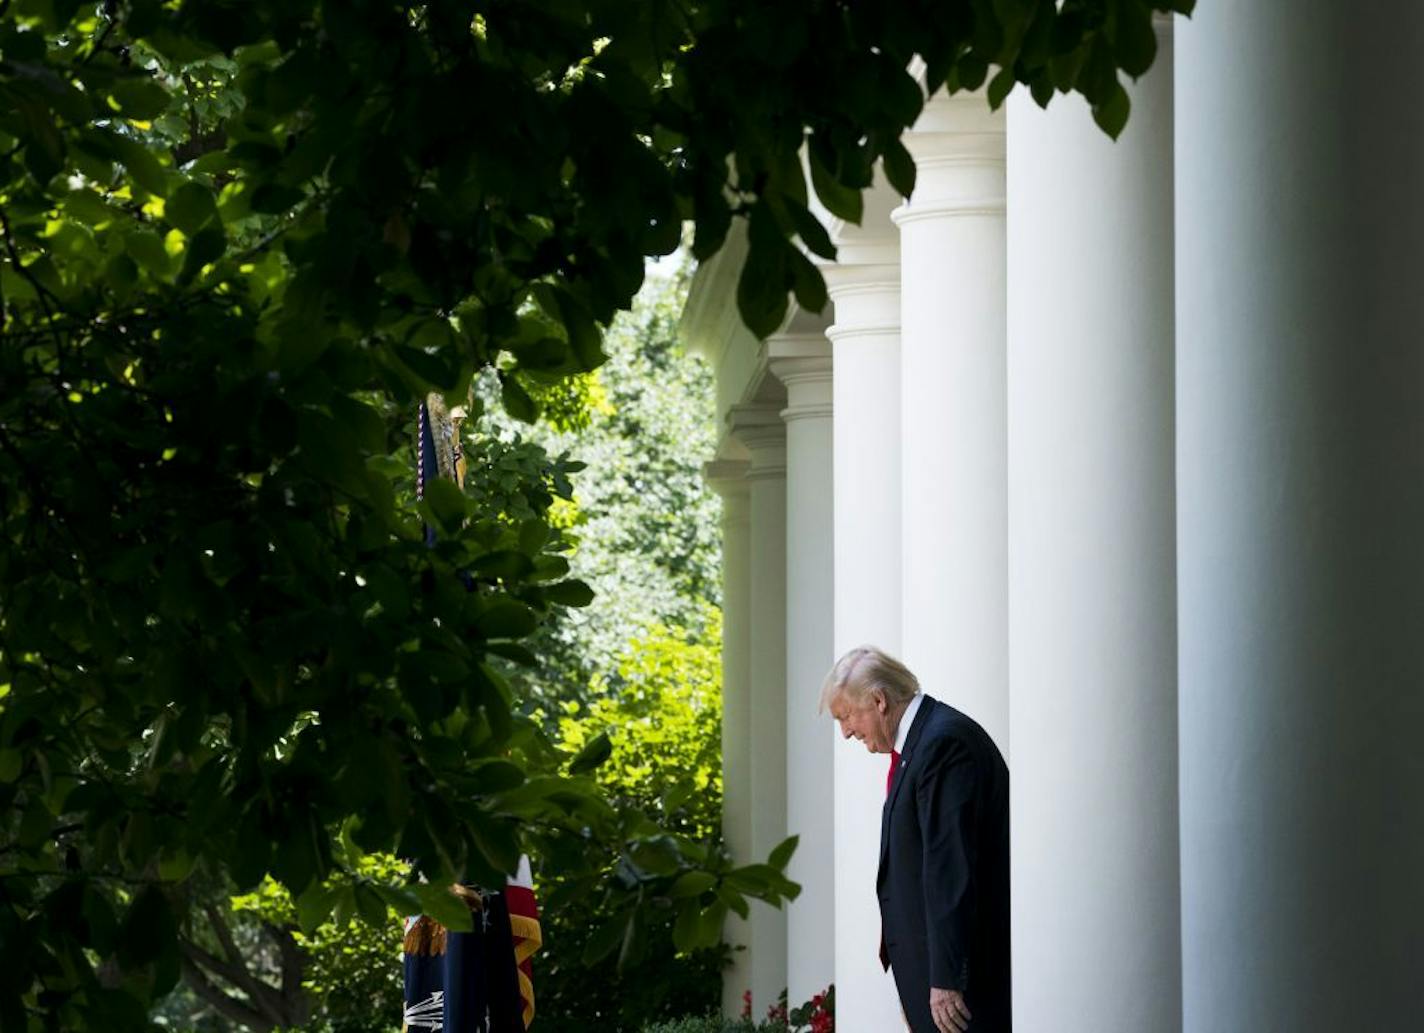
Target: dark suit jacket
column 944, row 870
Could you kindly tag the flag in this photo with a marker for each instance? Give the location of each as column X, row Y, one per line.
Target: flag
column 463, row 982
column 524, row 924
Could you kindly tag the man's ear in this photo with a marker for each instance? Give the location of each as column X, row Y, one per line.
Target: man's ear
column 877, row 697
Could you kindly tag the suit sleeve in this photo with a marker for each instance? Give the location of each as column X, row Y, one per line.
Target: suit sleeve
column 944, row 800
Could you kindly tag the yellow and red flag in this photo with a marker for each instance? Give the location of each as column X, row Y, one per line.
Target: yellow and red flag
column 524, row 922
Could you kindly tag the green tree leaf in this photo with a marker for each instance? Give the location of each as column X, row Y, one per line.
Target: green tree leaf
column 1000, row 87
column 445, row 907
column 780, row 856
column 843, row 201
column 569, row 593
column 1111, row 114
column 595, row 752
column 899, row 168
column 191, row 207
column 140, row 98
column 148, row 930
column 517, row 401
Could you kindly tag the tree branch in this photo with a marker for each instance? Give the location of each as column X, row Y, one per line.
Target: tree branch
column 264, row 999
column 223, row 933
column 294, row 970
column 230, row 1007
column 111, row 16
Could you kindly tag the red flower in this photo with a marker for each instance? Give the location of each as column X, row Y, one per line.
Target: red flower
column 746, row 1004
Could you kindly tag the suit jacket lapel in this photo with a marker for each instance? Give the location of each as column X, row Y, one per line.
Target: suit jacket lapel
column 911, row 744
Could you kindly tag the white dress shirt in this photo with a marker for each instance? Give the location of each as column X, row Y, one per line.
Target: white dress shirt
column 906, row 720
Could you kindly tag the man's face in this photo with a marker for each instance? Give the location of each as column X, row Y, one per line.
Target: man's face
column 866, row 720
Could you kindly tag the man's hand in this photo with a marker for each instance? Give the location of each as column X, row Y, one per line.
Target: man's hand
column 950, row 1013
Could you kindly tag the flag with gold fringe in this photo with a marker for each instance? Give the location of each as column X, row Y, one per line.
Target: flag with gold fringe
column 524, row 923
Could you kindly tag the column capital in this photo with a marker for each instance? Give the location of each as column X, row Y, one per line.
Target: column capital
column 796, row 371
column 727, row 477
column 855, row 249
column 867, row 300
column 958, row 147
column 762, row 433
column 844, row 278
column 803, row 363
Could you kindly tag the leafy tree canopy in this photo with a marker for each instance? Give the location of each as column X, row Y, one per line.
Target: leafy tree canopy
column 239, row 241
column 644, row 524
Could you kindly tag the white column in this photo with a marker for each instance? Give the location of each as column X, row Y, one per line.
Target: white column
column 760, row 430
column 1092, row 561
column 865, row 287
column 728, row 479
column 1300, row 457
column 954, row 443
column 803, row 363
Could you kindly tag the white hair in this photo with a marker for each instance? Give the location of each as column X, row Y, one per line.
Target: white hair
column 864, row 669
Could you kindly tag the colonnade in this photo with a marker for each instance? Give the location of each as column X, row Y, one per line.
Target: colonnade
column 1121, row 447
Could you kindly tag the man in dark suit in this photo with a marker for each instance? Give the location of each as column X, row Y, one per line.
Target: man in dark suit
column 944, row 846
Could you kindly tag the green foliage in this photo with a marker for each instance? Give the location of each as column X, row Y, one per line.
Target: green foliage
column 664, row 726
column 636, row 671
column 663, row 729
column 352, row 971
column 655, row 688
column 570, row 404
column 644, row 529
column 237, row 243
column 262, row 961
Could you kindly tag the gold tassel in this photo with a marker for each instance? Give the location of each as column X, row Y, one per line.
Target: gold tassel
column 425, row 937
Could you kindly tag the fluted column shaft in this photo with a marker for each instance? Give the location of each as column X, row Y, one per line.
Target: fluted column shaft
column 803, row 364
column 1092, row 560
column 954, row 436
column 1300, row 452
